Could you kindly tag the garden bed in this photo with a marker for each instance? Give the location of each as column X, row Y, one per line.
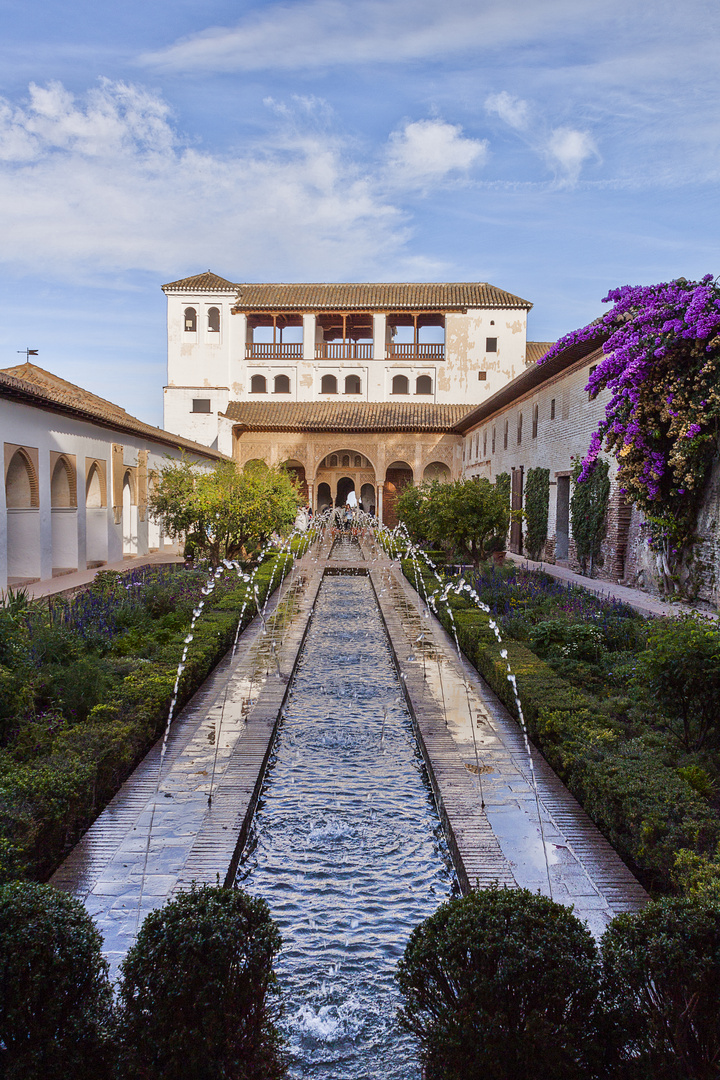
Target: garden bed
column 85, row 689
column 577, row 658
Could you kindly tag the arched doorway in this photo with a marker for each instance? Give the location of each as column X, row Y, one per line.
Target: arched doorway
column 129, row 516
column 96, row 534
column 437, row 471
column 324, row 497
column 367, row 498
column 398, row 475
column 345, row 485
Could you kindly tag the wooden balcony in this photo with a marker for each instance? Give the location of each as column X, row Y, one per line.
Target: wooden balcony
column 416, row 352
column 344, row 350
column 267, row 351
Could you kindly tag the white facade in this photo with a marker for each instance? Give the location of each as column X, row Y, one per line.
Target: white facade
column 217, row 353
column 75, row 491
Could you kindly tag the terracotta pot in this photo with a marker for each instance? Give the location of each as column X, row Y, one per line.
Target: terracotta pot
column 499, row 557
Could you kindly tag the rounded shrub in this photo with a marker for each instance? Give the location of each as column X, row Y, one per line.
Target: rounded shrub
column 501, row 984
column 55, row 996
column 198, row 996
column 662, row 986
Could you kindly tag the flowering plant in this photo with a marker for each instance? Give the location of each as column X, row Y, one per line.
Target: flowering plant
column 662, row 368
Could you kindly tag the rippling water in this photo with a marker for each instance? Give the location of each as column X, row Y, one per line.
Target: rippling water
column 347, row 848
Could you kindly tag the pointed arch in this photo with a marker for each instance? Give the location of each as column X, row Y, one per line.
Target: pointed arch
column 22, row 491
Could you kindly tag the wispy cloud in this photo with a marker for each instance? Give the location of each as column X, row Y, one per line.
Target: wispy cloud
column 567, row 150
column 513, row 110
column 325, row 33
column 428, row 151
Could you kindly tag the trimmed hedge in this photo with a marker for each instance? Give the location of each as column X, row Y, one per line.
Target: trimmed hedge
column 47, row 800
column 647, row 810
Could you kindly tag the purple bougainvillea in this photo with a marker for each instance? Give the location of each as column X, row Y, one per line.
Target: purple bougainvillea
column 662, row 369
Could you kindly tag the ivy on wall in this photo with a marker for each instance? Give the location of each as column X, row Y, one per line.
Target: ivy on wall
column 588, row 511
column 537, row 501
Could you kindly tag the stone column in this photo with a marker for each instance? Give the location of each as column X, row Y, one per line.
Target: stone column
column 379, row 336
column 311, row 493
column 379, row 507
column 309, row 322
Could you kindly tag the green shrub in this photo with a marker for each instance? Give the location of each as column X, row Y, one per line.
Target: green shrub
column 588, row 511
column 501, row 984
column 537, row 501
column 680, row 671
column 198, row 994
column 55, row 997
column 662, row 985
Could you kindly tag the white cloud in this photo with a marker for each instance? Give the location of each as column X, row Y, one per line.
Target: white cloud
column 567, row 150
column 512, row 110
column 106, row 183
column 427, row 151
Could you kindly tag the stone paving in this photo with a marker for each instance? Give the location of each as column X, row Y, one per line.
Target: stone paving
column 159, row 833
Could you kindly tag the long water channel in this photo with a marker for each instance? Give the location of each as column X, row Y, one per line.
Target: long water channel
column 346, row 847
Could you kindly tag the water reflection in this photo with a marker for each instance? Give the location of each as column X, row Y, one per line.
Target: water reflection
column 347, row 848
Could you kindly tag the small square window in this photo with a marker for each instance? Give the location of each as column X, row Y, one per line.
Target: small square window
column 201, row 404
column 491, row 344
column 482, row 376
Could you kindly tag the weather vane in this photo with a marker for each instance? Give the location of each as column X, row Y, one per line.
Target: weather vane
column 28, row 352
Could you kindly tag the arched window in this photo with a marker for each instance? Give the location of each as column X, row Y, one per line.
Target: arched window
column 423, row 384
column 400, row 384
column 21, row 489
column 258, row 385
column 358, row 461
column 214, row 320
column 328, row 385
column 62, row 484
column 282, row 384
column 346, row 461
column 352, row 384
column 190, row 320
column 333, row 461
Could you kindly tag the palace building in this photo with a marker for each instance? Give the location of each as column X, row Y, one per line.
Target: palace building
column 354, row 387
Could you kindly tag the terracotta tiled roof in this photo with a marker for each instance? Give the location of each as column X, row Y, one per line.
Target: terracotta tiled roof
column 208, row 282
column 34, row 386
column 536, row 350
column 348, row 416
column 408, row 296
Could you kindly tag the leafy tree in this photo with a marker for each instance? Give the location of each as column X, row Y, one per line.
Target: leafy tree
column 588, row 511
column 501, row 984
column 662, row 986
column 224, row 512
column 198, row 992
column 55, row 996
column 537, row 501
column 662, row 368
column 680, row 670
column 467, row 514
column 412, row 510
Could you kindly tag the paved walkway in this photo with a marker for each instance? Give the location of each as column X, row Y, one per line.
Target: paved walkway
column 635, row 598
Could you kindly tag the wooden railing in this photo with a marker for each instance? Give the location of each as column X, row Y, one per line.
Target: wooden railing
column 344, row 350
column 266, row 350
column 416, row 352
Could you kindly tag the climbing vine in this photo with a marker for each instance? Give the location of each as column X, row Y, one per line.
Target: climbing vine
column 537, row 501
column 662, row 368
column 588, row 511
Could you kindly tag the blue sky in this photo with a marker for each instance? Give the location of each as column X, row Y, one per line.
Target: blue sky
column 556, row 148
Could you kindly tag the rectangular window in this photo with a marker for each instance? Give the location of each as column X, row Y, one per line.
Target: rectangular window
column 519, row 429
column 552, row 409
column 482, row 376
column 491, row 344
column 536, row 412
column 484, row 444
column 493, row 441
column 201, row 404
column 505, row 437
